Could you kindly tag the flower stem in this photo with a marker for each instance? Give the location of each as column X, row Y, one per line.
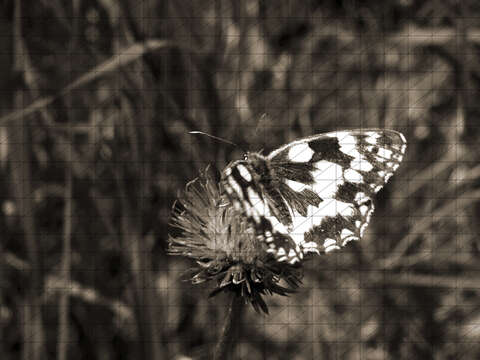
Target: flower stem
column 225, row 345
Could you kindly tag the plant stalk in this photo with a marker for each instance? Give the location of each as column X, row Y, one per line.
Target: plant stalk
column 225, row 344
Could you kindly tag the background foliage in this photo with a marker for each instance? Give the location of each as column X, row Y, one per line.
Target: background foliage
column 97, row 100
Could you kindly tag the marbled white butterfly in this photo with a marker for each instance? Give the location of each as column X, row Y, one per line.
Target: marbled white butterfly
column 314, row 194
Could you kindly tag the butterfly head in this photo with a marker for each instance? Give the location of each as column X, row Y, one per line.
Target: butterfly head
column 257, row 162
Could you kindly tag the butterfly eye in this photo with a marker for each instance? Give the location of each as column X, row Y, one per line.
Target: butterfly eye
column 245, row 156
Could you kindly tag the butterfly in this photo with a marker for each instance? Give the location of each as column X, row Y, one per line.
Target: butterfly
column 315, row 194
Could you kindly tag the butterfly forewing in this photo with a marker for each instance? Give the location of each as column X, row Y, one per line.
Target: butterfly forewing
column 314, row 194
column 250, row 189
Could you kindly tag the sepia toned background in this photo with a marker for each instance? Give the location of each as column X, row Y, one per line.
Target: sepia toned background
column 98, row 97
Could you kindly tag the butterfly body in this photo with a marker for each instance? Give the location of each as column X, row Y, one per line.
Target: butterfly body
column 314, row 194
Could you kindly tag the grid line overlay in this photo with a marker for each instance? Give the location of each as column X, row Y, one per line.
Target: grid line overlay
column 99, row 99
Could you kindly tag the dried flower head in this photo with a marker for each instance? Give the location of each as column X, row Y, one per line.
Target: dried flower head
column 224, row 246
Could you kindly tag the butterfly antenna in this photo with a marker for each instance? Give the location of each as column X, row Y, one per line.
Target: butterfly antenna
column 213, row 137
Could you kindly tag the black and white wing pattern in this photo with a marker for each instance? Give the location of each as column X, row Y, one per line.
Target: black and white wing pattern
column 314, row 194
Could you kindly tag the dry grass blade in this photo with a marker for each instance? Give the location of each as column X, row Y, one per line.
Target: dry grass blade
column 31, row 318
column 414, row 35
column 14, row 262
column 423, row 225
column 63, row 308
column 431, row 172
column 150, row 346
column 448, row 282
column 117, row 61
column 57, row 285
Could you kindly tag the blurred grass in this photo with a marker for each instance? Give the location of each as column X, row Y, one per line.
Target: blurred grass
column 107, row 91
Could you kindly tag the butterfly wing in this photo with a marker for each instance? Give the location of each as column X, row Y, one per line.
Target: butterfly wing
column 317, row 192
column 249, row 186
column 345, row 169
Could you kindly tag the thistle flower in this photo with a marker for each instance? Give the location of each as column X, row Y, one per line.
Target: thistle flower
column 224, row 246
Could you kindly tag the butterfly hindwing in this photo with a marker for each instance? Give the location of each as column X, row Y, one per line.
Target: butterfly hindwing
column 314, row 194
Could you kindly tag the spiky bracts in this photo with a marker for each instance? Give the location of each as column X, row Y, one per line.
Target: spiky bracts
column 224, row 247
